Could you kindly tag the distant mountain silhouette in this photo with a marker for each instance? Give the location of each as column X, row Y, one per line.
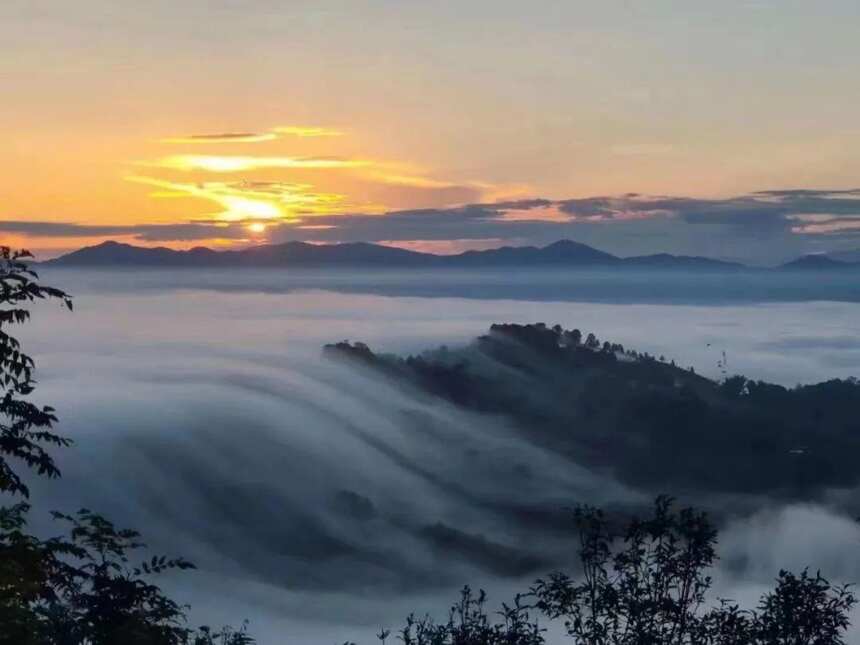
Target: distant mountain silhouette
column 852, row 255
column 564, row 253
column 819, row 262
column 116, row 254
column 665, row 260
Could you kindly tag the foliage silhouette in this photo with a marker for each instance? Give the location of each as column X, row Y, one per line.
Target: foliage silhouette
column 469, row 624
column 81, row 588
column 25, row 428
column 649, row 585
column 646, row 584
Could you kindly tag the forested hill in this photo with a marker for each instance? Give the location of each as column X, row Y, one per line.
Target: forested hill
column 651, row 423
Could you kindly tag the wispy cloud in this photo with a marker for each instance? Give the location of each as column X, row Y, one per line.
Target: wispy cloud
column 305, row 131
column 763, row 227
column 226, row 137
column 251, row 200
column 395, row 178
column 237, row 163
column 826, row 225
column 186, row 231
column 370, row 182
column 256, row 137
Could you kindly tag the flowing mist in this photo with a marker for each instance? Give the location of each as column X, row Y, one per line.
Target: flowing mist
column 321, row 500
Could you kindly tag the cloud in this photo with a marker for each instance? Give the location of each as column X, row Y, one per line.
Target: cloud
column 64, row 229
column 237, row 163
column 414, row 181
column 828, row 225
column 188, row 231
column 244, row 200
column 255, row 137
column 305, row 131
column 807, row 192
column 225, row 137
column 298, row 512
column 489, row 556
column 762, row 227
column 776, row 538
column 378, row 184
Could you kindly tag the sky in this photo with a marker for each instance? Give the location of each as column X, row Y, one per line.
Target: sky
column 722, row 129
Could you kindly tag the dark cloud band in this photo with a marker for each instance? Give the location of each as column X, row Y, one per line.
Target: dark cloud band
column 629, row 223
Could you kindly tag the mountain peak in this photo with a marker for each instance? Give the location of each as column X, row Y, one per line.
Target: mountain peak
column 566, row 244
column 815, row 261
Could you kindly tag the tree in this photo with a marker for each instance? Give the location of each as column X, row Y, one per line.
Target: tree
column 23, row 577
column 469, row 624
column 648, row 591
column 649, row 585
column 25, row 429
column 804, row 610
column 81, row 589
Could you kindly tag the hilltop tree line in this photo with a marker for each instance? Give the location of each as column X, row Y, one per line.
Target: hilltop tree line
column 653, row 424
column 647, row 585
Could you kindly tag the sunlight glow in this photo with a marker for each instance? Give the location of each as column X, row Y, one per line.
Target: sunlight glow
column 241, row 201
column 302, row 131
column 215, row 163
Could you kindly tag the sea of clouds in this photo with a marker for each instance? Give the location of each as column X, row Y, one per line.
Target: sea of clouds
column 322, row 502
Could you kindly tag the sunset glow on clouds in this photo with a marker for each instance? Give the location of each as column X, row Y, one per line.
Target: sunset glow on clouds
column 253, row 137
column 633, row 125
column 258, row 202
column 231, row 163
column 227, row 137
column 250, row 188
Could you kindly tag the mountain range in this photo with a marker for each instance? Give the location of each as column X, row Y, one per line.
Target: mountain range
column 564, row 253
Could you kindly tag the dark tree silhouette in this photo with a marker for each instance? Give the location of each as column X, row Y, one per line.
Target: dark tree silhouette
column 649, row 586
column 648, row 591
column 81, row 589
column 469, row 624
column 803, row 610
column 646, row 585
column 25, row 428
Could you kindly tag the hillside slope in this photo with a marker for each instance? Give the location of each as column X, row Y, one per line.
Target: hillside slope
column 649, row 422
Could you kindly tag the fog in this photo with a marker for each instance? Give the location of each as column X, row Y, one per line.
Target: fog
column 320, row 501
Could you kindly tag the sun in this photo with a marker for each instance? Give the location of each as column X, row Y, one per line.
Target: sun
column 257, row 227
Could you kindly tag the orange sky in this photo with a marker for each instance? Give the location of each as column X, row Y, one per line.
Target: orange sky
column 110, row 110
